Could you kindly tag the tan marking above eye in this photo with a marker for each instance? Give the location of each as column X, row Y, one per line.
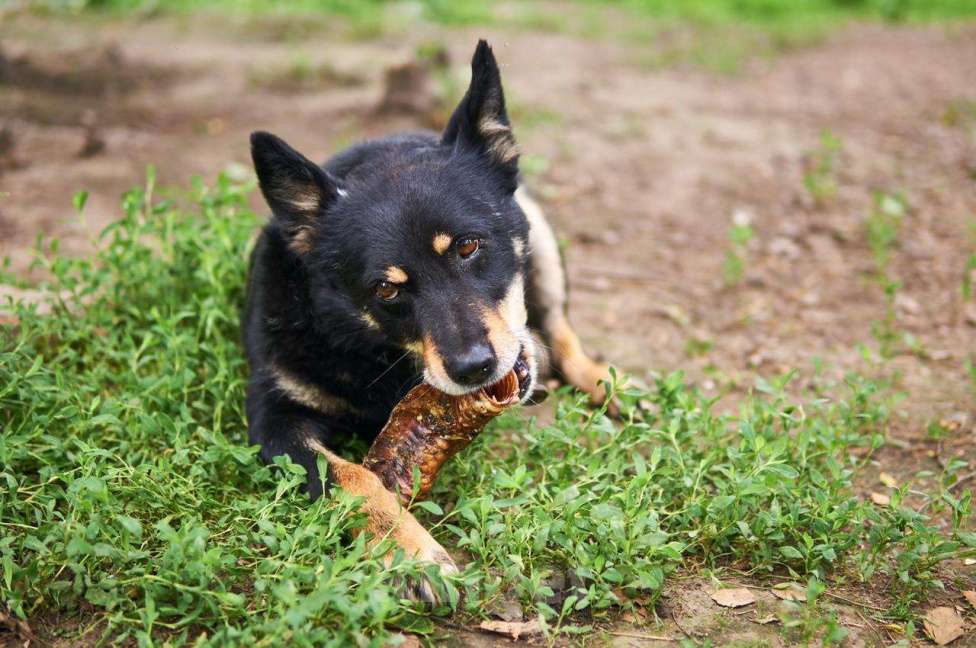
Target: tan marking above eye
column 442, row 242
column 395, row 274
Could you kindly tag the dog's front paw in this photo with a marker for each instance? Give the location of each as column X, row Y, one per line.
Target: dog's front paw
column 588, row 376
column 387, row 518
column 423, row 589
column 593, row 381
column 417, row 543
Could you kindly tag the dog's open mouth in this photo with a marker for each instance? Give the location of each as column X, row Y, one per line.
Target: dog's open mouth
column 513, row 386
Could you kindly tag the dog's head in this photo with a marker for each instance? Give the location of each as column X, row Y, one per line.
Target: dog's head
column 421, row 243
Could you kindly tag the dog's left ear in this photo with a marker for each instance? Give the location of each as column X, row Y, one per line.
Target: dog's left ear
column 297, row 190
column 480, row 121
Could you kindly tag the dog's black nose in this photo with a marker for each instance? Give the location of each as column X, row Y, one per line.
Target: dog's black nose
column 473, row 366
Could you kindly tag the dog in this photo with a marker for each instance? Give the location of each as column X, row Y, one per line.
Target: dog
column 417, row 257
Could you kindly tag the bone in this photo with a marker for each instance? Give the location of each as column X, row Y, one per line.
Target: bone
column 428, row 427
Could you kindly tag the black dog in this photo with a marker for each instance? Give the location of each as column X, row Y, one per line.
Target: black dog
column 410, row 258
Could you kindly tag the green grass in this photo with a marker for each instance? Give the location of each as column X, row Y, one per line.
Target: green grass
column 882, row 228
column 131, row 502
column 820, row 179
column 784, row 12
column 737, row 255
column 715, row 35
column 782, row 16
column 463, row 12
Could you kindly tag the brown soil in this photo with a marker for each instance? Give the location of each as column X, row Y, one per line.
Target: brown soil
column 647, row 170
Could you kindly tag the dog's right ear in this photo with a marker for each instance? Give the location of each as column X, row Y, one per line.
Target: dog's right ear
column 297, row 190
column 480, row 122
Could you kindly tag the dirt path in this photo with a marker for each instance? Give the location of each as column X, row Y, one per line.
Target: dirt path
column 644, row 172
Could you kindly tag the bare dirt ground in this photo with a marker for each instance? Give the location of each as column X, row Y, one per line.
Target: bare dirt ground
column 643, row 172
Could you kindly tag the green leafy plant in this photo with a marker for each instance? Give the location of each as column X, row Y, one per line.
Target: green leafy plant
column 820, row 178
column 737, row 255
column 132, row 502
column 882, row 228
column 966, row 285
column 969, row 268
column 810, row 623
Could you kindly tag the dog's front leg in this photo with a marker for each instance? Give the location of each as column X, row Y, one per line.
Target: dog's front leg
column 282, row 427
column 386, row 517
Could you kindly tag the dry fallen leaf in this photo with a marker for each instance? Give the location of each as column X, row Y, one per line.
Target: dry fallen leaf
column 969, row 561
column 733, row 597
column 507, row 608
column 513, row 629
column 887, row 480
column 789, row 592
column 880, row 500
column 635, row 617
column 971, row 597
column 943, row 625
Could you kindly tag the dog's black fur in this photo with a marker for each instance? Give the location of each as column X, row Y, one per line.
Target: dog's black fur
column 330, row 351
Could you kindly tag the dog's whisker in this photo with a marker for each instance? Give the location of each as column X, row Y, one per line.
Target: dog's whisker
column 388, row 369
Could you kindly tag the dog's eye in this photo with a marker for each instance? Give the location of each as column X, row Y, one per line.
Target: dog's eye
column 387, row 291
column 467, row 246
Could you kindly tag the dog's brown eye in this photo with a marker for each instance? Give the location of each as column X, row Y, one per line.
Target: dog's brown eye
column 467, row 247
column 386, row 291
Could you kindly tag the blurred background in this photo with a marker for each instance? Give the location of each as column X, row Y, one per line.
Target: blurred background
column 741, row 186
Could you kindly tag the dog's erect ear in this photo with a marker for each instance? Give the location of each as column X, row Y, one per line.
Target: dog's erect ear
column 480, row 121
column 297, row 189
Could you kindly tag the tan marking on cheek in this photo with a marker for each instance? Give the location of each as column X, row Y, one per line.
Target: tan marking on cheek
column 512, row 306
column 433, row 359
column 309, row 395
column 416, row 347
column 505, row 320
column 499, row 334
column 442, row 242
column 370, row 321
column 396, row 275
